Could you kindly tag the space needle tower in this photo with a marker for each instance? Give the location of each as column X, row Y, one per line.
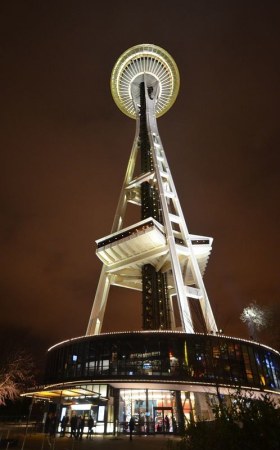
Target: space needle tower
column 156, row 255
column 175, row 366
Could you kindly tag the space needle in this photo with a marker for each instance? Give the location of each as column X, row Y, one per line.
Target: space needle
column 175, row 367
column 157, row 255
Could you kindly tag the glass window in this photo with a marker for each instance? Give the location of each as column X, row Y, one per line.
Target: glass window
column 248, row 368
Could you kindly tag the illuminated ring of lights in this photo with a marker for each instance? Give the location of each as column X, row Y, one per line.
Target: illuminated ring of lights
column 140, row 59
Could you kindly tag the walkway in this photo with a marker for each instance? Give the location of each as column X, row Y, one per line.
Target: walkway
column 40, row 442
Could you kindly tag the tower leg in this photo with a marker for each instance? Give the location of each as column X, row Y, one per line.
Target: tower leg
column 99, row 304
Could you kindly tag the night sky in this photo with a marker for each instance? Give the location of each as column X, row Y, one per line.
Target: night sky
column 65, row 147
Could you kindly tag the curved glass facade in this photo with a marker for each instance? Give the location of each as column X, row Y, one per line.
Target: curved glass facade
column 165, row 356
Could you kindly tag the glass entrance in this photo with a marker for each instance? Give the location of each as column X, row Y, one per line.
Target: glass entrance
column 163, row 420
column 154, row 411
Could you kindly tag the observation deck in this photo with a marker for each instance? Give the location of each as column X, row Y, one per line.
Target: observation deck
column 125, row 252
column 157, row 64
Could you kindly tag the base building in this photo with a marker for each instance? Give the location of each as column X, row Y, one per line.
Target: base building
column 179, row 366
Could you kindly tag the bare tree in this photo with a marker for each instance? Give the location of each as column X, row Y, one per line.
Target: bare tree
column 16, row 373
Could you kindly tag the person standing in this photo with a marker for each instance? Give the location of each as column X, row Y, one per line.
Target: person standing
column 131, row 427
column 52, row 429
column 167, row 424
column 90, row 427
column 53, row 425
column 73, row 425
column 81, row 426
column 64, row 422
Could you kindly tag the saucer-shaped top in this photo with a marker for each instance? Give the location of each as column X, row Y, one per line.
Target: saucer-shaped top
column 139, row 60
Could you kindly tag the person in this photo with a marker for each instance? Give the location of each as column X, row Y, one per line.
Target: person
column 131, row 427
column 167, row 423
column 147, row 424
column 174, row 425
column 141, row 424
column 64, row 422
column 73, row 425
column 77, row 427
column 52, row 428
column 53, row 424
column 81, row 426
column 90, row 427
column 47, row 423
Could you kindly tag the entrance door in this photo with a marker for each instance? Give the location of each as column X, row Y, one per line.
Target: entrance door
column 163, row 419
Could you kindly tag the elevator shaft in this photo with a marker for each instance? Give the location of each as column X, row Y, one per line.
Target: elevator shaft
column 155, row 308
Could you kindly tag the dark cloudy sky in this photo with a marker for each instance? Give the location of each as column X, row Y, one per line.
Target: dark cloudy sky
column 65, row 147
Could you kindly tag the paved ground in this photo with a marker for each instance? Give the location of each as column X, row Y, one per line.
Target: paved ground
column 40, row 442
